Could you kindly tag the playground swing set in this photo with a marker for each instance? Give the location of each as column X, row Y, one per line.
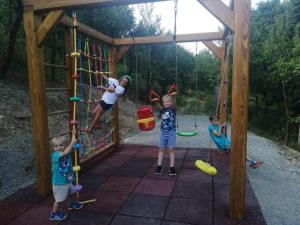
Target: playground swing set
column 40, row 17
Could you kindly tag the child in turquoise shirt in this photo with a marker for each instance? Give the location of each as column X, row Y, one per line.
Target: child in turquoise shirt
column 62, row 175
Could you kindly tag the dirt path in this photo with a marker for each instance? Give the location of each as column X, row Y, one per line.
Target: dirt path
column 276, row 184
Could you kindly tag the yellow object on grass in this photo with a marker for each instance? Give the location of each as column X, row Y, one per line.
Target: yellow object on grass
column 206, row 167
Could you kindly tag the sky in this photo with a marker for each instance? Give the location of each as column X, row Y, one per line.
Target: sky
column 192, row 17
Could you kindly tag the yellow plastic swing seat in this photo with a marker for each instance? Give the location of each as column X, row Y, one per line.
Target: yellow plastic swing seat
column 145, row 121
column 206, row 167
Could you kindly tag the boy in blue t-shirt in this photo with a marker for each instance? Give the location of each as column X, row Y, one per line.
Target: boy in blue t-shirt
column 167, row 134
column 62, row 175
column 216, row 132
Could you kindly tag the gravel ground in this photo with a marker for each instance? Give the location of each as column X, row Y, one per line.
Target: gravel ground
column 276, row 184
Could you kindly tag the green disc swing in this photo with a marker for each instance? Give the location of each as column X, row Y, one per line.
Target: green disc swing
column 187, row 133
column 181, row 133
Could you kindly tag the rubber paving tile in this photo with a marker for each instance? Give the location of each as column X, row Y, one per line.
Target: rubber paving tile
column 174, row 223
column 93, row 181
column 152, row 153
column 196, row 176
column 138, row 161
column 164, row 176
column 221, row 216
column 189, row 164
column 115, row 183
column 166, row 164
column 127, row 192
column 106, row 201
column 150, row 206
column 34, row 216
column 155, row 187
column 80, row 217
column 132, row 171
column 220, row 157
column 192, row 190
column 196, row 156
column 222, row 177
column 10, row 210
column 194, row 211
column 130, row 220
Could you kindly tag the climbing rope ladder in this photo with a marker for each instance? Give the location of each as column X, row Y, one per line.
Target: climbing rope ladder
column 88, row 75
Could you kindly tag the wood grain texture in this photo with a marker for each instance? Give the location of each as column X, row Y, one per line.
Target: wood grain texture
column 209, row 36
column 48, row 24
column 84, row 29
column 240, row 92
column 47, row 5
column 35, row 60
column 221, row 11
column 218, row 51
column 112, row 66
column 224, row 84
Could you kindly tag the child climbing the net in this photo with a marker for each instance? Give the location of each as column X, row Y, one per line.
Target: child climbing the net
column 115, row 89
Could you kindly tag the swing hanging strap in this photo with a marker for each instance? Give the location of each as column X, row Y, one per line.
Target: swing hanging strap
column 173, row 90
column 153, row 96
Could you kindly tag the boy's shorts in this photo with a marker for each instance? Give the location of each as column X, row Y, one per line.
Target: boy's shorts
column 168, row 139
column 61, row 192
column 104, row 105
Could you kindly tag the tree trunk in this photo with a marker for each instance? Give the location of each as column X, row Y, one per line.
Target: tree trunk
column 12, row 38
column 285, row 102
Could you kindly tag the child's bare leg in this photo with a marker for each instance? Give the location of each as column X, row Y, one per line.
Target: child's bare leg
column 172, row 157
column 96, row 119
column 96, row 109
column 55, row 207
column 160, row 156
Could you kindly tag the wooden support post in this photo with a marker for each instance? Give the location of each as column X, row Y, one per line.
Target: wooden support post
column 224, row 85
column 121, row 53
column 240, row 92
column 35, row 59
column 48, row 24
column 112, row 51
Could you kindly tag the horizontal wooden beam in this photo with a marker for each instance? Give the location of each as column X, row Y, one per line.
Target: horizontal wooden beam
column 210, row 36
column 221, row 11
column 47, row 5
column 84, row 29
column 48, row 24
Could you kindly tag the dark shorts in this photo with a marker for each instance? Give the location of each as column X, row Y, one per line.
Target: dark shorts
column 104, row 105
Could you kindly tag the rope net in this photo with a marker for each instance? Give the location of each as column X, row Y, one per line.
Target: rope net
column 92, row 63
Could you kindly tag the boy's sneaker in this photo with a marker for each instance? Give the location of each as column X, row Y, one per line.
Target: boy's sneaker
column 57, row 216
column 172, row 171
column 255, row 164
column 75, row 205
column 158, row 170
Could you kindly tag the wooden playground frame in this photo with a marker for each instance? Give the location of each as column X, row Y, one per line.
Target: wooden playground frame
column 235, row 17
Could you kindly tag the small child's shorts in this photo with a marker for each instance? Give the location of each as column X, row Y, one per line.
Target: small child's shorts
column 168, row 139
column 104, row 105
column 61, row 192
